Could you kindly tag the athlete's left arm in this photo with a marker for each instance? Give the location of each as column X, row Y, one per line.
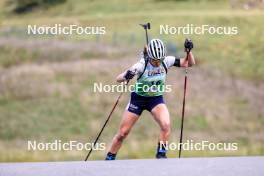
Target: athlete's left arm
column 187, row 63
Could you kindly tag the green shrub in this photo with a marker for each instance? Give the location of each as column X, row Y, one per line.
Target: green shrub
column 23, row 6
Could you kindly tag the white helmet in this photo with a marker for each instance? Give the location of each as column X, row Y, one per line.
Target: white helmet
column 156, row 49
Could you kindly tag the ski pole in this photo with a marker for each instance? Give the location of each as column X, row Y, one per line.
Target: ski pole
column 102, row 129
column 146, row 27
column 183, row 103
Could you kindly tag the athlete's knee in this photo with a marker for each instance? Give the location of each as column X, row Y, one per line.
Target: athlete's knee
column 165, row 127
column 122, row 134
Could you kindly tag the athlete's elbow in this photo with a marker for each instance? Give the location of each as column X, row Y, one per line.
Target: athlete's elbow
column 191, row 64
column 118, row 80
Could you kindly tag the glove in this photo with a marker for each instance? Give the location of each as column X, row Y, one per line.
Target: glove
column 188, row 45
column 129, row 75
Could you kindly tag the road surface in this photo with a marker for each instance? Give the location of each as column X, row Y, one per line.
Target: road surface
column 219, row 166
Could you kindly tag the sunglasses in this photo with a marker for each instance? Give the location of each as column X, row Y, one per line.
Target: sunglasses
column 157, row 60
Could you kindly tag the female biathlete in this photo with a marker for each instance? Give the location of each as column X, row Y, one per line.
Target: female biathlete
column 151, row 73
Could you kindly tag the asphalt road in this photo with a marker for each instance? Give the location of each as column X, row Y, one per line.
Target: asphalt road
column 220, row 166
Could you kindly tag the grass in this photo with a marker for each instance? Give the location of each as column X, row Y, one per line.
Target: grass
column 242, row 56
column 18, row 55
column 14, row 56
column 11, row 56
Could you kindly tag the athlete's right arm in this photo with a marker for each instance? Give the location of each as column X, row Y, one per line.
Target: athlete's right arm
column 136, row 69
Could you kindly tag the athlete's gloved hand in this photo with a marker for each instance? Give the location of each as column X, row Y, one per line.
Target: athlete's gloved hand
column 188, row 45
column 129, row 75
